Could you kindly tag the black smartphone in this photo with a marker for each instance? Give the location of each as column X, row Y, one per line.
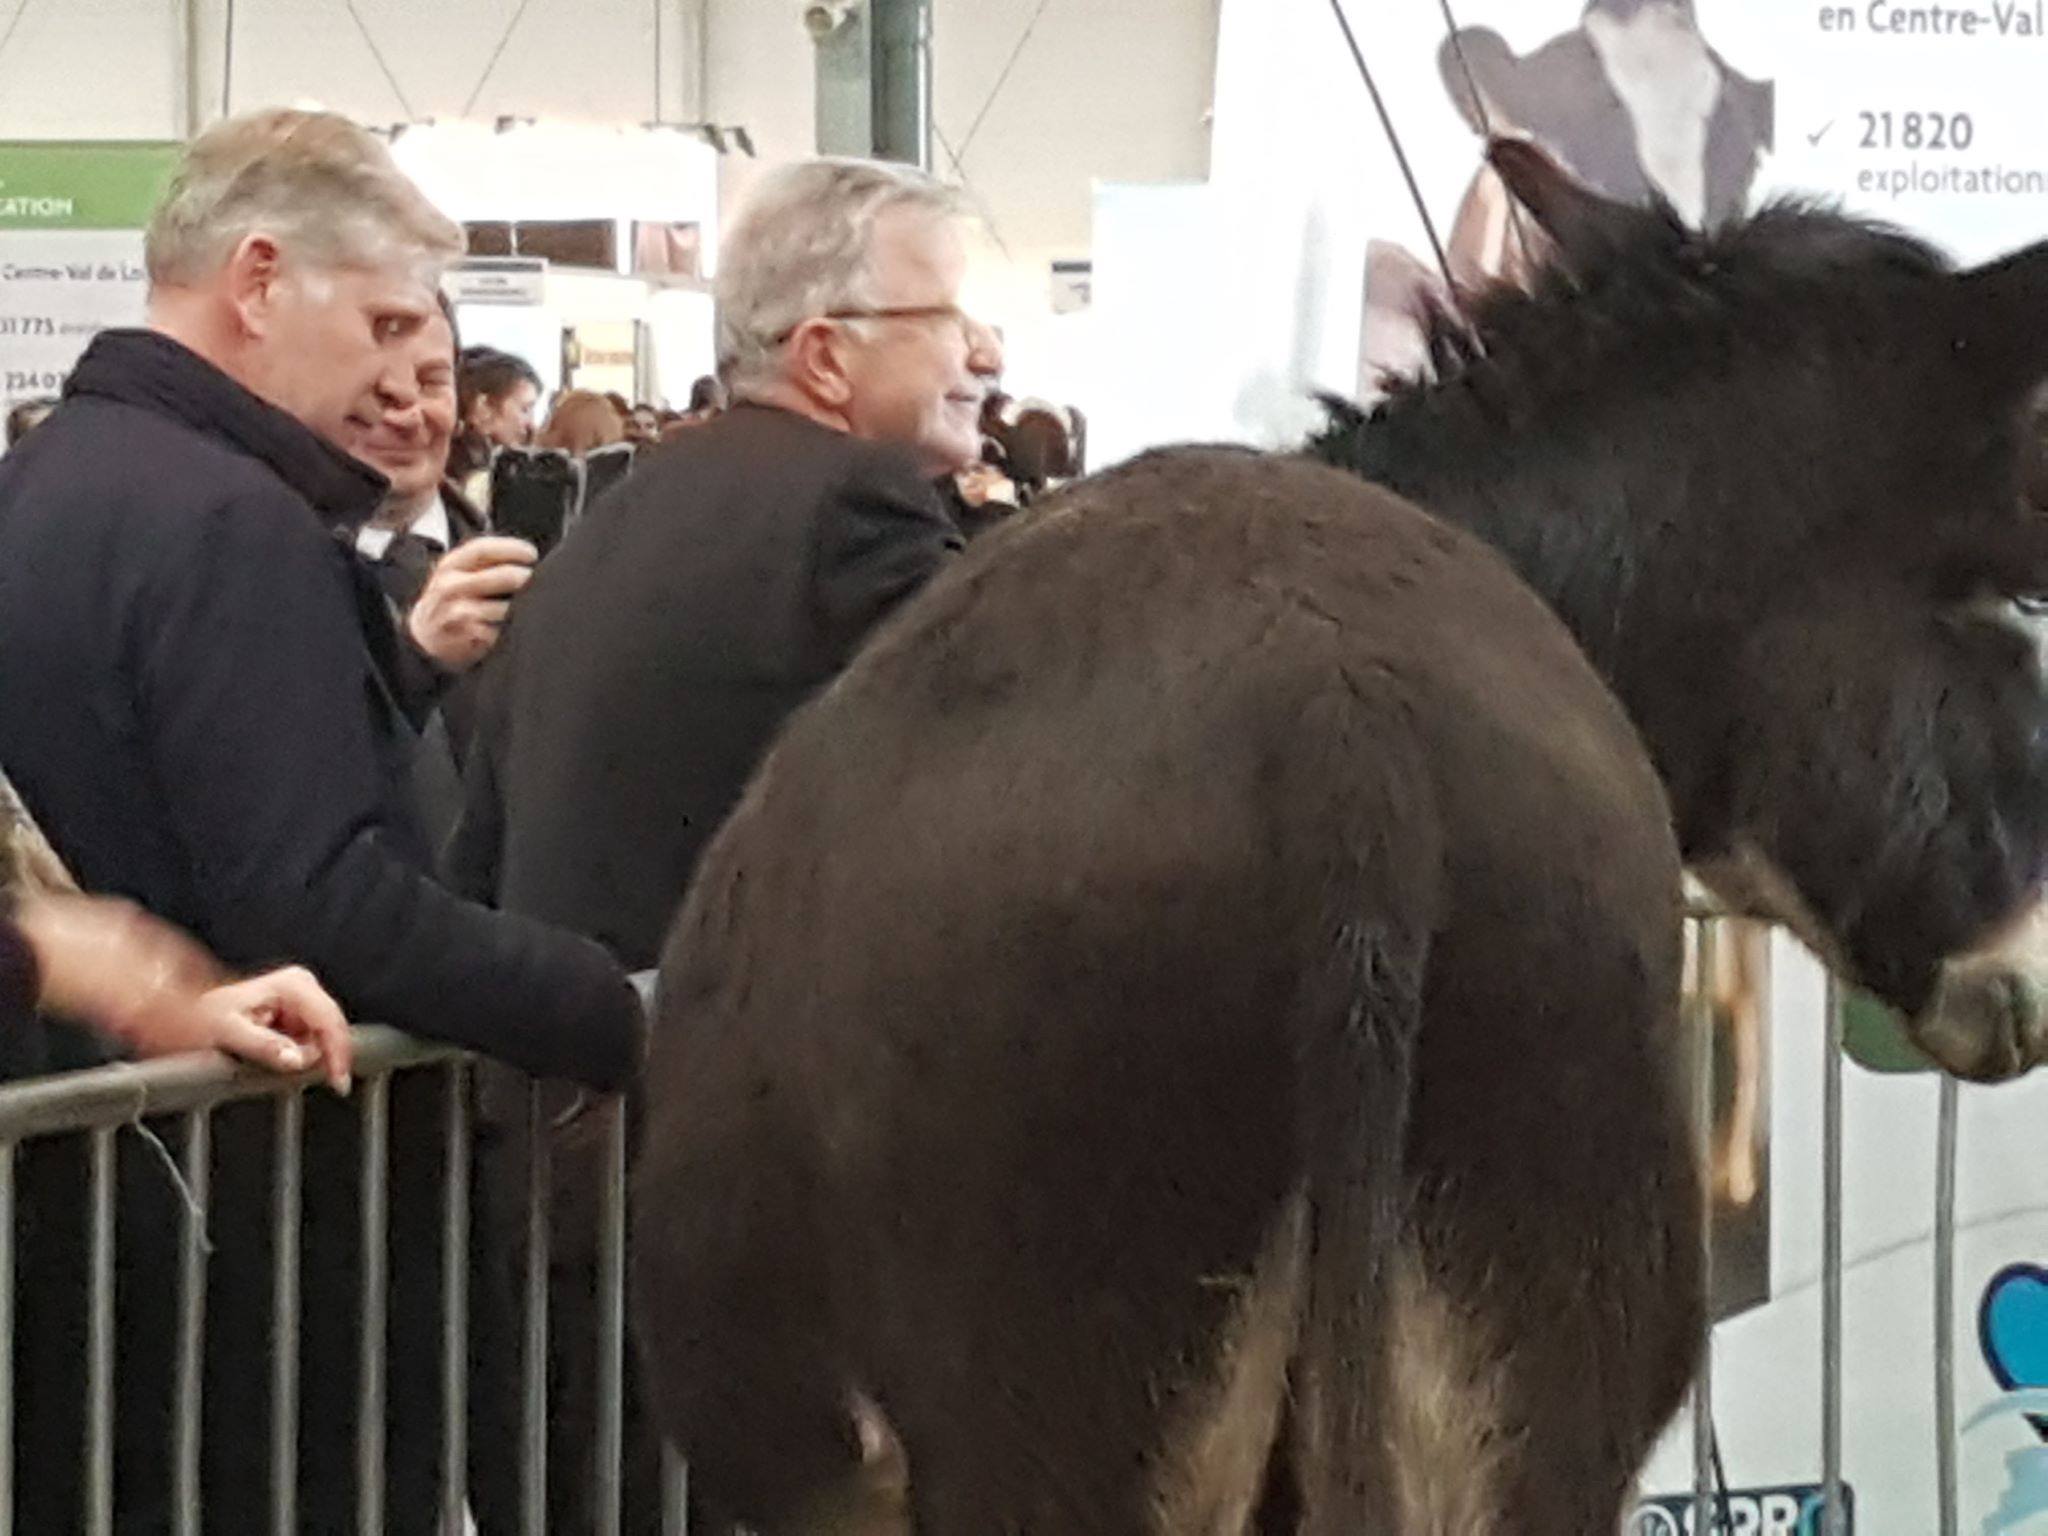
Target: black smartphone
column 535, row 493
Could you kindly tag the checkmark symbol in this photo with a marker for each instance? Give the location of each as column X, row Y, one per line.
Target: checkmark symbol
column 1821, row 133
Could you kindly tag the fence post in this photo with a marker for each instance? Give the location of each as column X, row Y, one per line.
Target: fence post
column 99, row 1434
column 611, row 1323
column 1831, row 1267
column 455, row 1306
column 1945, row 1306
column 284, row 1316
column 534, row 1416
column 675, row 1494
column 6, row 1338
column 198, row 1174
column 375, row 1336
column 1703, row 954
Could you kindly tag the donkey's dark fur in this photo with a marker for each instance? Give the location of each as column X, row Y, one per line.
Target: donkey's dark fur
column 1181, row 1038
column 1776, row 482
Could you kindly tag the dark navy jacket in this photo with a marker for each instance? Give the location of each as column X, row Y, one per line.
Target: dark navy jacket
column 195, row 702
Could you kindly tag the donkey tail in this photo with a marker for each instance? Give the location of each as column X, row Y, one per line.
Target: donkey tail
column 1355, row 1069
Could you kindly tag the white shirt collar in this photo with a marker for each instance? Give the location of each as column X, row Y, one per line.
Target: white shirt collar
column 433, row 524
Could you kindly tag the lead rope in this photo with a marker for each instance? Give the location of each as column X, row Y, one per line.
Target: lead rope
column 1457, row 41
column 1393, row 139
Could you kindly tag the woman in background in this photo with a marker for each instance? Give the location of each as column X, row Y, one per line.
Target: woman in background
column 582, row 421
column 495, row 394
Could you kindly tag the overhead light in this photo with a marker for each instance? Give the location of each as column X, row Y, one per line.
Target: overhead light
column 821, row 20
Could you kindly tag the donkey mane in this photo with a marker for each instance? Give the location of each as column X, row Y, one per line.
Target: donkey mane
column 1659, row 277
column 1659, row 415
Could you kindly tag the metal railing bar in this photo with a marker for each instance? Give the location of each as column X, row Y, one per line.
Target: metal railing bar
column 455, row 1304
column 373, row 1339
column 1704, row 935
column 533, row 1423
column 7, row 1339
column 1832, row 1522
column 186, row 1428
column 284, row 1315
column 675, row 1494
column 1946, row 1136
column 611, row 1324
column 112, row 1096
column 99, row 1417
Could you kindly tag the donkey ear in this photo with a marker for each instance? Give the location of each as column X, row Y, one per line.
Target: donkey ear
column 2001, row 320
column 1582, row 222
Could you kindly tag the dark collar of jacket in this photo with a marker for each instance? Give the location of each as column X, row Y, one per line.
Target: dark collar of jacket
column 150, row 370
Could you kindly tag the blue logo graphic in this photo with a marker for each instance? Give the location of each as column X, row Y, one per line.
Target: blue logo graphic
column 1791, row 1511
column 2012, row 1330
column 2012, row 1325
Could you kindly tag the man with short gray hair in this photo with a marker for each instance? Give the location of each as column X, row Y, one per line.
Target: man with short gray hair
column 197, row 701
column 736, row 571
column 662, row 646
column 809, row 312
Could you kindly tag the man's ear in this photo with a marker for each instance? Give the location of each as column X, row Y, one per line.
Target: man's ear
column 818, row 363
column 255, row 274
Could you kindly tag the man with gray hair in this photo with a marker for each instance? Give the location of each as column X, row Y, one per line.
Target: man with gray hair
column 660, row 649
column 735, row 572
column 196, row 701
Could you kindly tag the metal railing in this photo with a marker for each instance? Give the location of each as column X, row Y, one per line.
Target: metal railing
column 103, row 1104
column 1704, row 929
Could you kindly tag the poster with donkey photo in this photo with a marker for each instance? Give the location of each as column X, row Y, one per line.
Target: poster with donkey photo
column 1314, row 260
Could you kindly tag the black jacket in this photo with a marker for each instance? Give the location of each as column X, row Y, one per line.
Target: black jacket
column 442, row 708
column 196, row 702
column 644, row 672
column 656, row 654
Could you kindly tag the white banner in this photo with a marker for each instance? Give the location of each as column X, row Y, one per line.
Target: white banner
column 1219, row 309
column 71, row 219
column 57, row 289
column 1924, row 115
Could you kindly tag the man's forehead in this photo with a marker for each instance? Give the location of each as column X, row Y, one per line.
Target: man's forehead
column 919, row 245
column 400, row 288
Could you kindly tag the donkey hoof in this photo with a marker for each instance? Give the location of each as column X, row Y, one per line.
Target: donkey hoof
column 1987, row 1022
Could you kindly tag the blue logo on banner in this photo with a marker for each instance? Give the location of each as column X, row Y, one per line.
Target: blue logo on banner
column 2012, row 1328
column 1792, row 1511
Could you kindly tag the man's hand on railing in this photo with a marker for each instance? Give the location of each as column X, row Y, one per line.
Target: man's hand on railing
column 135, row 978
column 283, row 1020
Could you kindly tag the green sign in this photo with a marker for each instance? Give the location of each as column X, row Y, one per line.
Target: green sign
column 61, row 185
